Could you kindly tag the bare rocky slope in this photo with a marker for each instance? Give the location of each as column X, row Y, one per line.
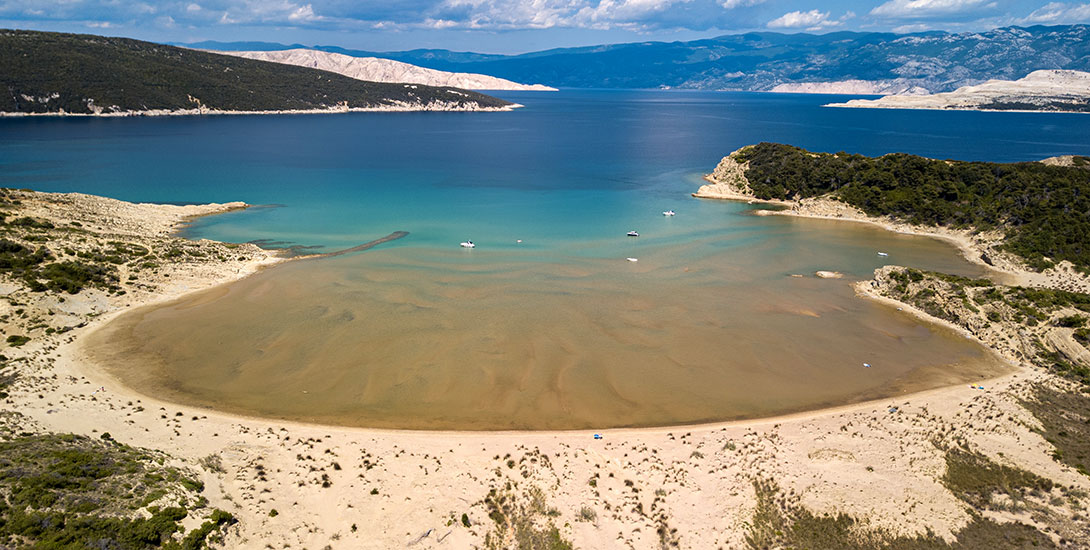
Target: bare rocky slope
column 761, row 61
column 374, row 69
column 1050, row 90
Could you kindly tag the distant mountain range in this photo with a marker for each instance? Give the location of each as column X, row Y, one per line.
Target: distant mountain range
column 384, row 70
column 57, row 73
column 761, row 61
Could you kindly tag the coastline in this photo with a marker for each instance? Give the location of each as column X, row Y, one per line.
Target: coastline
column 397, row 108
column 974, row 247
column 948, row 108
column 873, row 459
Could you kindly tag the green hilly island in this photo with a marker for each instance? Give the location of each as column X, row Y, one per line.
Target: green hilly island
column 47, row 72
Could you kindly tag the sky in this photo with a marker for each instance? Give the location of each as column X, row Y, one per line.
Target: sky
column 514, row 26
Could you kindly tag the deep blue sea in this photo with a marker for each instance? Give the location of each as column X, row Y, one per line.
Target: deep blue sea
column 568, row 169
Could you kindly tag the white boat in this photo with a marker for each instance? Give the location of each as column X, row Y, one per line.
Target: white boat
column 468, row 244
column 633, row 259
column 883, row 254
column 669, row 213
column 633, row 234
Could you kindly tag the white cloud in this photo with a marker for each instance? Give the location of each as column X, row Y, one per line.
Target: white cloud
column 492, row 15
column 731, row 4
column 304, row 14
column 544, row 14
column 922, row 9
column 912, row 27
column 1058, row 13
column 813, row 20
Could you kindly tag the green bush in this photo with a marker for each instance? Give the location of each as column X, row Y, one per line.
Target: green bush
column 69, row 492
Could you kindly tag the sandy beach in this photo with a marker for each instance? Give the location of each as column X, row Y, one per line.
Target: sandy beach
column 682, row 486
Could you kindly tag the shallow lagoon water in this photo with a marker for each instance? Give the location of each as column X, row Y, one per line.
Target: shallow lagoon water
column 558, row 331
column 715, row 329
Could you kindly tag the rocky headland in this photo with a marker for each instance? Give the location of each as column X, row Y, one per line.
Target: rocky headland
column 60, row 74
column 1045, row 90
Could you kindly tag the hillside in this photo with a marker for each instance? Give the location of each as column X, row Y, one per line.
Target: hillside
column 47, row 72
column 1041, row 210
column 1053, row 90
column 385, row 70
column 761, row 61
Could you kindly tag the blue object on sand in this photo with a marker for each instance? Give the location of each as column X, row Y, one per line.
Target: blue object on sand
column 597, row 436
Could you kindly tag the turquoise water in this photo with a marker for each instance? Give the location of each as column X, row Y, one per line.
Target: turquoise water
column 720, row 318
column 567, row 174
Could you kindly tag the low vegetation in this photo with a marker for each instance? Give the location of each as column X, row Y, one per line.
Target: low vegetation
column 521, row 522
column 1041, row 209
column 68, row 491
column 976, row 303
column 1065, row 423
column 47, row 72
column 781, row 522
column 977, row 480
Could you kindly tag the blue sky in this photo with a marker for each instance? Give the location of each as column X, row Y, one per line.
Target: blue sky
column 513, row 26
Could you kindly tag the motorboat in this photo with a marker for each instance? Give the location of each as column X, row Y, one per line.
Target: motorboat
column 669, row 213
column 633, row 234
column 468, row 244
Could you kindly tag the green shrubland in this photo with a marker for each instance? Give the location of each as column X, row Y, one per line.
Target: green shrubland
column 66, row 491
column 1044, row 211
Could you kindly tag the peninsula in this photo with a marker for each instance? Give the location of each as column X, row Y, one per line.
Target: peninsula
column 48, row 73
column 1046, row 90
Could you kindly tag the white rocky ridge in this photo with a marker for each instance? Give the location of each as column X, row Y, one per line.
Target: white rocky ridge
column 385, row 70
column 874, row 87
column 1048, row 90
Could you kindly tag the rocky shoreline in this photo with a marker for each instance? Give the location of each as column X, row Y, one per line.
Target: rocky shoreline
column 200, row 111
column 1045, row 91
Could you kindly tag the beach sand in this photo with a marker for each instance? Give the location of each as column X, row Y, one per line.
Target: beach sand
column 636, row 488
